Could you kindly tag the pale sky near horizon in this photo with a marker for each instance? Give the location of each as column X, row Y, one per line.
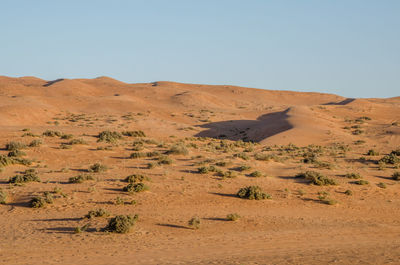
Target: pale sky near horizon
column 346, row 47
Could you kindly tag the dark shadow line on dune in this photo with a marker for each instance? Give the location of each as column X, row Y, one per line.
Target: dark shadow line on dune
column 264, row 126
column 224, row 194
column 343, row 102
column 49, row 83
column 216, row 219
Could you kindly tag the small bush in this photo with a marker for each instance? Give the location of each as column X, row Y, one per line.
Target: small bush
column 121, row 224
column 372, row 152
column 13, row 146
column 109, row 136
column 136, row 155
column 41, row 201
column 136, row 187
column 252, row 193
column 262, row 157
column 353, row 176
column 76, row 141
column 348, row 192
column 80, row 178
column 135, row 178
column 35, row 143
column 392, row 158
column 256, row 174
column 80, row 229
column 361, row 182
column 233, row 217
column 381, row 185
column 134, row 133
column 3, row 197
column 51, row 133
column 30, row 175
column 203, row 170
column 357, row 132
column 97, row 167
column 164, row 160
column 316, row 178
column 178, row 149
column 97, row 213
column 194, row 222
column 243, row 156
column 396, row 176
column 243, row 168
column 16, row 153
column 67, row 136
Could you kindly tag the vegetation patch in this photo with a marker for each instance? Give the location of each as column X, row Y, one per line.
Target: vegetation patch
column 30, row 175
column 253, row 193
column 121, row 224
column 80, row 178
column 316, row 178
column 136, row 187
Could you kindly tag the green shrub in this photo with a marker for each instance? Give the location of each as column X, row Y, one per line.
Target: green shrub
column 3, row 197
column 80, row 229
column 233, row 217
column 252, row 193
column 76, row 141
column 135, row 178
column 51, row 133
column 136, row 187
column 134, row 133
column 80, row 178
column 353, row 176
column 316, row 178
column 35, row 143
column 30, row 175
column 41, row 201
column 372, row 152
column 256, row 174
column 361, row 182
column 109, row 136
column 392, row 158
column 243, row 156
column 97, row 213
column 164, row 160
column 151, row 165
column 395, row 152
column 138, row 146
column 357, row 132
column 348, row 192
column 178, row 149
column 194, row 222
column 121, row 223
column 262, row 157
column 137, row 155
column 16, row 153
column 203, row 170
column 13, row 146
column 226, row 174
column 67, row 136
column 243, row 168
column 381, row 185
column 97, row 167
column 396, row 176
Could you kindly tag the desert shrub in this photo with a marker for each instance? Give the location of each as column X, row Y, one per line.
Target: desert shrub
column 134, row 133
column 381, row 185
column 253, row 193
column 329, row 201
column 51, row 133
column 76, row 141
column 226, row 174
column 357, row 132
column 390, row 159
column 372, row 152
column 135, row 178
column 348, row 192
column 365, row 118
column 151, row 165
column 3, row 197
column 97, row 213
column 80, row 229
column 396, row 176
column 243, row 168
column 138, row 146
column 16, row 153
column 232, row 217
column 121, row 223
column 221, row 164
column 194, row 222
column 12, row 146
column 35, row 143
column 395, row 152
column 30, row 175
column 178, row 149
column 66, row 136
column 80, row 178
column 152, row 154
column 136, row 187
column 361, row 182
column 256, row 174
column 262, row 157
column 109, row 136
column 353, row 176
column 164, row 160
column 243, row 156
column 316, row 178
column 97, row 167
column 136, row 155
column 203, row 170
column 41, row 201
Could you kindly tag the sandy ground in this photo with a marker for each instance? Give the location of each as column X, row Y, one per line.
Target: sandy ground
column 295, row 226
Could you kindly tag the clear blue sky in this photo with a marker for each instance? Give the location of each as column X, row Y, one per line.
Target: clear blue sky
column 347, row 47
